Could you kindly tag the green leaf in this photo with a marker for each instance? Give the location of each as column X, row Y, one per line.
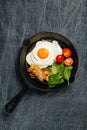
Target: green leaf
column 59, row 73
column 55, row 79
column 67, row 73
column 56, row 68
column 61, row 69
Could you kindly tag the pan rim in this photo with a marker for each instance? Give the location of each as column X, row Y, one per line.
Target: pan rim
column 25, row 44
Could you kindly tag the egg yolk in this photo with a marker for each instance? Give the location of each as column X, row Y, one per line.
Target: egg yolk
column 43, row 53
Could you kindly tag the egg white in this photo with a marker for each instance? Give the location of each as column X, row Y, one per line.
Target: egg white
column 53, row 48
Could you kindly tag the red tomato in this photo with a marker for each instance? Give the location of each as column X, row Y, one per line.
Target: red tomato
column 67, row 52
column 68, row 62
column 59, row 58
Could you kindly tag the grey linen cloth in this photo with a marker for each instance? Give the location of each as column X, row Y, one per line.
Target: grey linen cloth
column 62, row 110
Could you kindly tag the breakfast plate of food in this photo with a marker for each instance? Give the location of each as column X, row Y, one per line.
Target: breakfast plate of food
column 48, row 61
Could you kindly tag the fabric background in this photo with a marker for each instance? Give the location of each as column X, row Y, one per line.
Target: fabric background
column 63, row 110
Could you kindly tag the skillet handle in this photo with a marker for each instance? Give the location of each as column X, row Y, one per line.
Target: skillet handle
column 10, row 106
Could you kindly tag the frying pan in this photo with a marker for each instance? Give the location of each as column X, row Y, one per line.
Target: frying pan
column 28, row 45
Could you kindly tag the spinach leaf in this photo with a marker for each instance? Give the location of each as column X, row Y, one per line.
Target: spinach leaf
column 55, row 79
column 67, row 73
column 61, row 69
column 56, row 68
column 59, row 73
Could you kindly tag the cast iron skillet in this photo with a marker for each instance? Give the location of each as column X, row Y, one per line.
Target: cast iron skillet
column 28, row 45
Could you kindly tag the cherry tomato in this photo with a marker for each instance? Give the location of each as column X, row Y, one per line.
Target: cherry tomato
column 67, row 52
column 59, row 58
column 68, row 62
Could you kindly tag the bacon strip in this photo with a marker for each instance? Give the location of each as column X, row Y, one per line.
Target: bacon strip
column 36, row 71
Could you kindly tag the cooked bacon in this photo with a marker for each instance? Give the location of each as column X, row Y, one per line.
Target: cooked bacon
column 36, row 71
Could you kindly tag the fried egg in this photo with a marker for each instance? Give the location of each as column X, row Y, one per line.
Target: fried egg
column 44, row 53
